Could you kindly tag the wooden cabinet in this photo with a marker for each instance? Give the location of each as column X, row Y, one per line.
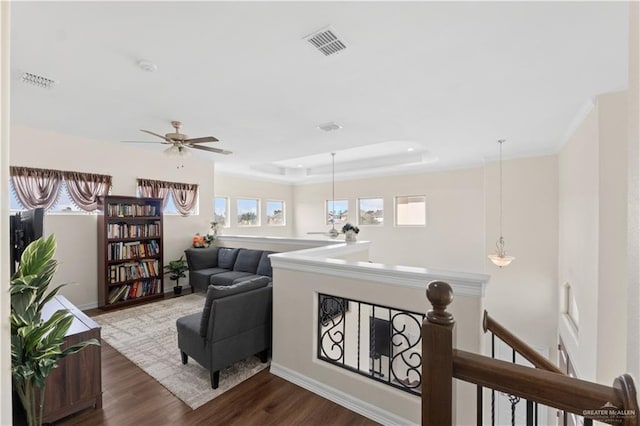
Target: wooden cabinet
column 77, row 382
column 130, row 268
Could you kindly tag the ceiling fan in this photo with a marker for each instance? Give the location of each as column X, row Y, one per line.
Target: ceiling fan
column 333, row 232
column 181, row 143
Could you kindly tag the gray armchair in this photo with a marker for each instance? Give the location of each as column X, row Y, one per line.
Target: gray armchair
column 234, row 324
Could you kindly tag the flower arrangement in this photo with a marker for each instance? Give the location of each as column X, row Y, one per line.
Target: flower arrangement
column 198, row 241
column 349, row 227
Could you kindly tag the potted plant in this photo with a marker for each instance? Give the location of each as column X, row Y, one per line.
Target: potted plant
column 350, row 232
column 211, row 234
column 36, row 343
column 176, row 270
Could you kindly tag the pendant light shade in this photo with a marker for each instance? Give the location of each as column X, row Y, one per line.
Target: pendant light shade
column 500, row 257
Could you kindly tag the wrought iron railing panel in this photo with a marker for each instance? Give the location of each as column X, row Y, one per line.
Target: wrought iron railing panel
column 380, row 342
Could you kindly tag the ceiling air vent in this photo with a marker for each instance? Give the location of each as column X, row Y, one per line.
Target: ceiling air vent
column 326, row 41
column 330, row 126
column 37, row 80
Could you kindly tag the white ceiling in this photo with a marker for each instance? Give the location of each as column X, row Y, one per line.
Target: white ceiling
column 446, row 79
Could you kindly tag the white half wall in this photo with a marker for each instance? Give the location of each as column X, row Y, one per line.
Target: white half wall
column 300, row 276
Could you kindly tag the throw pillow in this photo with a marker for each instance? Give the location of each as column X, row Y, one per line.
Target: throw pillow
column 264, row 266
column 247, row 260
column 227, row 257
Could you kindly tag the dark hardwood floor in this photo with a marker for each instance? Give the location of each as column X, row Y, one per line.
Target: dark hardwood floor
column 132, row 397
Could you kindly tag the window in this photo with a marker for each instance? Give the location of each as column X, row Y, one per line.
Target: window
column 180, row 198
column 411, row 210
column 170, row 206
column 56, row 190
column 62, row 205
column 221, row 211
column 337, row 212
column 248, row 212
column 14, row 204
column 275, row 213
column 370, row 211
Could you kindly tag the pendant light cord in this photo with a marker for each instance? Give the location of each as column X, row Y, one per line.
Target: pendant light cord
column 333, row 190
column 501, row 141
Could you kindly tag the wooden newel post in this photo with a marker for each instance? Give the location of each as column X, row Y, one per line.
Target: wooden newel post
column 437, row 357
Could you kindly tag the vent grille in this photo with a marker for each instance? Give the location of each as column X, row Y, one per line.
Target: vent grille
column 37, row 80
column 326, row 41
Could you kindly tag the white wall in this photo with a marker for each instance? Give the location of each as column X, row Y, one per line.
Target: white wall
column 5, row 300
column 461, row 230
column 453, row 237
column 633, row 345
column 76, row 234
column 524, row 293
column 613, row 270
column 234, row 187
column 593, row 245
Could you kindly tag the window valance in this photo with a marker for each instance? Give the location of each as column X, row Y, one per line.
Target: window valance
column 41, row 187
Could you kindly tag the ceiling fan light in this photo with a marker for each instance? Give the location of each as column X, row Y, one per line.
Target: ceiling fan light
column 172, row 151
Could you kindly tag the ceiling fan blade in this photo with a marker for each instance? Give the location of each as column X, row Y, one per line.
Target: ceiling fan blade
column 166, row 143
column 206, row 148
column 201, row 140
column 156, row 134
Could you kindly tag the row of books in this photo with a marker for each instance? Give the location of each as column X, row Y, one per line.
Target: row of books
column 125, row 230
column 131, row 210
column 133, row 290
column 132, row 250
column 134, row 270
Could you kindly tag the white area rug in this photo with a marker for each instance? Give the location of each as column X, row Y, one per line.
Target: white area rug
column 147, row 335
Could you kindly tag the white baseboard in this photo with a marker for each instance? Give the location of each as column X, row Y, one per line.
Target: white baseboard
column 348, row 401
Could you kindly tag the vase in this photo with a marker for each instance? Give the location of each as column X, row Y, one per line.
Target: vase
column 350, row 236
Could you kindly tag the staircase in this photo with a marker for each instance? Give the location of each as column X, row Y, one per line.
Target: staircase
column 545, row 384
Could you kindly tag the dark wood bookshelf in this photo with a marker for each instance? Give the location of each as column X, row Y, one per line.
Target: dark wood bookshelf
column 142, row 214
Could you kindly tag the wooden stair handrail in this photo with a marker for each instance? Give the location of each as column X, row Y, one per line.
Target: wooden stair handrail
column 530, row 354
column 545, row 387
column 441, row 364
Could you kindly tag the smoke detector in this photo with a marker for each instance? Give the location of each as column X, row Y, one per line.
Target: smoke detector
column 330, row 126
column 326, row 41
column 37, row 80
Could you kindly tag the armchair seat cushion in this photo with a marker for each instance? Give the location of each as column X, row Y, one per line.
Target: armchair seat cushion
column 251, row 278
column 227, row 278
column 202, row 278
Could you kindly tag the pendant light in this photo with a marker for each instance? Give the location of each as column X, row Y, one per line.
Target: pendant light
column 500, row 257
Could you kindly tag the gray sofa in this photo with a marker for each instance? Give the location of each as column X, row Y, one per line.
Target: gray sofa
column 223, row 266
column 234, row 324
